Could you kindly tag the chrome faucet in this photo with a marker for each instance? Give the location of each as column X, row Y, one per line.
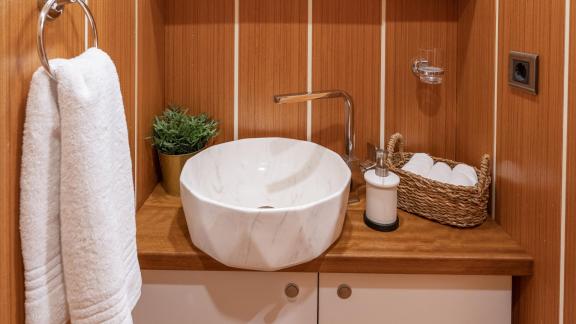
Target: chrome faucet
column 349, row 135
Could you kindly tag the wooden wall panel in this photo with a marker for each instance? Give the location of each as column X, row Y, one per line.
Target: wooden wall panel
column 150, row 92
column 346, row 56
column 529, row 152
column 273, row 47
column 115, row 21
column 570, row 274
column 424, row 114
column 475, row 80
column 18, row 60
column 200, row 59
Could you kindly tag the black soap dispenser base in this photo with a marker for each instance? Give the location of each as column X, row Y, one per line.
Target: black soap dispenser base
column 381, row 227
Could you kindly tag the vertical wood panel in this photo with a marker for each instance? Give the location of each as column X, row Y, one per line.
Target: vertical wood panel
column 18, row 60
column 200, row 59
column 115, row 21
column 273, row 47
column 424, row 114
column 529, row 152
column 346, row 56
column 570, row 273
column 150, row 91
column 475, row 76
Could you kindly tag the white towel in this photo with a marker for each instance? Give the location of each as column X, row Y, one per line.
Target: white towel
column 440, row 172
column 419, row 164
column 40, row 205
column 459, row 179
column 97, row 212
column 468, row 171
column 98, row 227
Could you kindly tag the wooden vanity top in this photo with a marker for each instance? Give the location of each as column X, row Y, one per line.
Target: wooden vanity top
column 419, row 246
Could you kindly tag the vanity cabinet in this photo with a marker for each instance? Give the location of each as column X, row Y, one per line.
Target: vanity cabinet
column 221, row 297
column 175, row 297
column 477, row 264
column 414, row 299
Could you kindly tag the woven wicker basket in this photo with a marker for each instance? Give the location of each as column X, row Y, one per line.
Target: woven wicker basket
column 448, row 204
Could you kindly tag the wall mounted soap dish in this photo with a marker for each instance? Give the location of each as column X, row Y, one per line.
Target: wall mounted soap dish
column 427, row 73
column 427, row 66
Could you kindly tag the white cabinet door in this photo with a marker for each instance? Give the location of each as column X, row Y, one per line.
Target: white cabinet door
column 415, row 299
column 175, row 297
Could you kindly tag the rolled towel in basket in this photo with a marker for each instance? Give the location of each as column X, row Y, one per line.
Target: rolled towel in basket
column 460, row 179
column 419, row 164
column 468, row 171
column 440, row 172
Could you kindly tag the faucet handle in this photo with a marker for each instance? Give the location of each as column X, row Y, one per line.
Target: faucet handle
column 371, row 151
column 370, row 162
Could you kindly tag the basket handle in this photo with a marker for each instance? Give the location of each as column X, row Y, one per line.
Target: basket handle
column 484, row 171
column 396, row 141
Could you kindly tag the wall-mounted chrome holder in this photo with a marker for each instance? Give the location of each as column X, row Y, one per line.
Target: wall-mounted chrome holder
column 55, row 10
column 50, row 10
column 426, row 73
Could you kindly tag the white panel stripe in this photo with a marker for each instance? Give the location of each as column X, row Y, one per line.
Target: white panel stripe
column 564, row 159
column 86, row 23
column 383, row 77
column 236, row 62
column 309, row 74
column 136, row 150
column 495, row 108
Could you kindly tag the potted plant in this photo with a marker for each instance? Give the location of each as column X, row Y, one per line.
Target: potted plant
column 178, row 136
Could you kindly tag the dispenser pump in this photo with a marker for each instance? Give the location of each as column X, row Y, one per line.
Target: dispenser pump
column 381, row 167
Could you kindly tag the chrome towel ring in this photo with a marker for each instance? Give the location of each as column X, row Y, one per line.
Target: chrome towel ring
column 51, row 9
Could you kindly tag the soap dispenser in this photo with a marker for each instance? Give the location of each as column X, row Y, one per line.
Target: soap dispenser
column 381, row 196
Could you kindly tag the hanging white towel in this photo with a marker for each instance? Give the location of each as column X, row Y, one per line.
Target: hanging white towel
column 95, row 197
column 98, row 229
column 40, row 205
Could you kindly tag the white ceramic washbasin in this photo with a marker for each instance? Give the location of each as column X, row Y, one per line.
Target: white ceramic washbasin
column 265, row 203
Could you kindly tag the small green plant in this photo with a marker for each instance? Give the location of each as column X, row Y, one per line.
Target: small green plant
column 176, row 132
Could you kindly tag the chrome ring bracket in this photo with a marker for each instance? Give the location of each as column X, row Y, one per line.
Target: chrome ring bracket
column 50, row 10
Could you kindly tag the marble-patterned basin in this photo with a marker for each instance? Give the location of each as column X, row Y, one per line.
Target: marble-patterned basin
column 265, row 203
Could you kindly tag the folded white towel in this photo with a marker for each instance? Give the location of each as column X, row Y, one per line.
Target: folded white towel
column 40, row 205
column 467, row 171
column 440, row 172
column 77, row 197
column 98, row 230
column 460, row 179
column 419, row 164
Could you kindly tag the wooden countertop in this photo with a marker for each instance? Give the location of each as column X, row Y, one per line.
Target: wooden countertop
column 419, row 246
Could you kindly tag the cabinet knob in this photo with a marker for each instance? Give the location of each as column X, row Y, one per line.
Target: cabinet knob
column 291, row 290
column 344, row 291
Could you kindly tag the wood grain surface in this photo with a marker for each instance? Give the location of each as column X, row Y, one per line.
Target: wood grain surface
column 570, row 271
column 346, row 56
column 424, row 114
column 199, row 59
column 475, row 75
column 273, row 47
column 151, row 40
column 419, row 246
column 529, row 153
column 18, row 60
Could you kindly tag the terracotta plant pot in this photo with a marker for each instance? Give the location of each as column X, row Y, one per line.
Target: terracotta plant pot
column 171, row 167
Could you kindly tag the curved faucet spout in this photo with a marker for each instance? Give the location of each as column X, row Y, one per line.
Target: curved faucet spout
column 349, row 135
